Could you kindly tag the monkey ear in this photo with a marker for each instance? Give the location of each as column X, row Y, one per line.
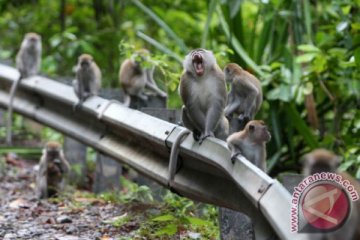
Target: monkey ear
column 307, row 159
column 228, row 71
column 251, row 127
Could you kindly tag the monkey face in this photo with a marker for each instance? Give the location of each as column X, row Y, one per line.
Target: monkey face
column 231, row 69
column 52, row 153
column 321, row 167
column 141, row 56
column 266, row 134
column 32, row 40
column 85, row 60
column 263, row 133
column 320, row 160
column 198, row 61
column 258, row 131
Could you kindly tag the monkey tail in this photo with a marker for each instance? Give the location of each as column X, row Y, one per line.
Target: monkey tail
column 127, row 99
column 14, row 86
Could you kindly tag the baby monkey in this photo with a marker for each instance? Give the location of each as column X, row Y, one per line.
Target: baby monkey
column 251, row 143
column 245, row 97
column 88, row 78
column 135, row 77
column 52, row 168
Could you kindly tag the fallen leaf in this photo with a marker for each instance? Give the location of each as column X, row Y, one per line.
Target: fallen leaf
column 19, row 203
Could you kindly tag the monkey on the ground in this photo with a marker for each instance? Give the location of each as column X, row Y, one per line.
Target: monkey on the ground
column 88, row 78
column 52, row 168
column 28, row 61
column 322, row 160
column 250, row 143
column 245, row 96
column 203, row 92
column 134, row 77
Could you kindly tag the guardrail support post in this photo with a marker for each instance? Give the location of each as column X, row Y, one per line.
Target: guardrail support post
column 75, row 153
column 107, row 174
column 235, row 225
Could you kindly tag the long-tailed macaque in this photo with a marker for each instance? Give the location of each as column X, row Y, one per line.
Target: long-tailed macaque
column 52, row 168
column 321, row 160
column 245, row 96
column 203, row 92
column 88, row 78
column 250, row 143
column 135, row 78
column 28, row 61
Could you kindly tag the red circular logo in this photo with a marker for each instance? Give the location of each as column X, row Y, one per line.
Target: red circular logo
column 325, row 206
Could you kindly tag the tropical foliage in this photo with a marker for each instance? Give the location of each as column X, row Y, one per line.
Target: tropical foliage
column 306, row 53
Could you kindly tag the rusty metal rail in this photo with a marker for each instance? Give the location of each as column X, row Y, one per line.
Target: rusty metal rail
column 205, row 172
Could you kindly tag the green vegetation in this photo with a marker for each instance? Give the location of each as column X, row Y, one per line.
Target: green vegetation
column 171, row 216
column 306, row 54
column 174, row 215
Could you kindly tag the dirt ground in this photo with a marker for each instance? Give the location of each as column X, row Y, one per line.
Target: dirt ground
column 23, row 216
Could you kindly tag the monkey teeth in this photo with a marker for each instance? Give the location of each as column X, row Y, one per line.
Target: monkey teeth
column 198, row 64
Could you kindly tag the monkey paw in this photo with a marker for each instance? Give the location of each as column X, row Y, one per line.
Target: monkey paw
column 228, row 116
column 205, row 137
column 234, row 156
column 143, row 97
column 163, row 95
column 243, row 120
column 77, row 106
column 196, row 135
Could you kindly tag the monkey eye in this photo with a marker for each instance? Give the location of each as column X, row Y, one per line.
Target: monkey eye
column 251, row 127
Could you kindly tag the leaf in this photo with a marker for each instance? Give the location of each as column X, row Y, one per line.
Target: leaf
column 70, row 36
column 346, row 9
column 345, row 165
column 275, row 65
column 357, row 56
column 20, row 203
column 282, row 93
column 342, row 26
column 55, row 41
column 338, row 52
column 307, row 88
column 169, row 229
column 355, row 26
column 319, row 64
column 197, row 221
column 118, row 221
column 307, row 57
column 308, row 48
column 164, row 218
column 234, row 6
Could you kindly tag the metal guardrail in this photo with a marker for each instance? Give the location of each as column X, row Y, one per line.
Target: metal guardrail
column 205, row 172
